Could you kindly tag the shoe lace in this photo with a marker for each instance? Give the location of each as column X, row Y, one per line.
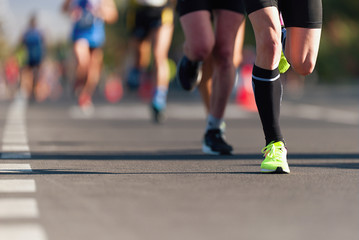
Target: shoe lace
column 273, row 150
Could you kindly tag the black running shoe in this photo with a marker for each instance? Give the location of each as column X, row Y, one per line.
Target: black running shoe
column 214, row 143
column 189, row 73
column 134, row 79
column 159, row 115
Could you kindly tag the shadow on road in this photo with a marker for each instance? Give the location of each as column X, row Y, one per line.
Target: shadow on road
column 77, row 172
column 332, row 160
column 182, row 155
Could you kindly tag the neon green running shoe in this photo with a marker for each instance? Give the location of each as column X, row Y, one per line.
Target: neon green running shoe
column 275, row 161
column 283, row 64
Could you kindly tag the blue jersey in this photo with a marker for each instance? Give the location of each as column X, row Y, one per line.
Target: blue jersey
column 34, row 43
column 88, row 26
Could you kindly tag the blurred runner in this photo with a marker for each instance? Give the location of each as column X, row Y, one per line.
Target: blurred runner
column 88, row 36
column 203, row 41
column 35, row 46
column 151, row 24
column 205, row 85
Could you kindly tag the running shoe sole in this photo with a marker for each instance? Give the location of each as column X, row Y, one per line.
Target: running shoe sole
column 208, row 150
column 194, row 85
column 279, row 170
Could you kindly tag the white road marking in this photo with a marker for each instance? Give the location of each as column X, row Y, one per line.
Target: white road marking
column 17, row 185
column 18, row 131
column 22, row 232
column 11, row 208
column 15, row 167
column 15, row 143
column 15, row 148
column 14, row 135
column 14, row 140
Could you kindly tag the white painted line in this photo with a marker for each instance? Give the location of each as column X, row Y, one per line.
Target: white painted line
column 14, row 123
column 13, row 140
column 23, row 155
column 16, row 148
column 16, row 114
column 18, row 118
column 22, row 232
column 13, row 137
column 15, row 143
column 17, row 185
column 11, row 208
column 14, row 131
column 13, row 167
column 14, row 127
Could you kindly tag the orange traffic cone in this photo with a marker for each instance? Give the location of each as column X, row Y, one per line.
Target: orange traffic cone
column 245, row 95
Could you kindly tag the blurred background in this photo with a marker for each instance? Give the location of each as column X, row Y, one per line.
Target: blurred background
column 338, row 61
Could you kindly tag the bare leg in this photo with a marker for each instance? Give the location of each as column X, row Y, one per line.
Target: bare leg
column 302, row 47
column 205, row 86
column 142, row 53
column 162, row 38
column 94, row 71
column 238, row 45
column 82, row 53
column 161, row 45
column 27, row 79
column 226, row 24
column 199, row 41
column 267, row 30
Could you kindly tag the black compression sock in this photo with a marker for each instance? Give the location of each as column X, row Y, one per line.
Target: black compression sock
column 268, row 94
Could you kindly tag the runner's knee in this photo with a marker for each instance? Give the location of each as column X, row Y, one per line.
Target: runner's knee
column 201, row 50
column 304, row 67
column 223, row 55
column 268, row 49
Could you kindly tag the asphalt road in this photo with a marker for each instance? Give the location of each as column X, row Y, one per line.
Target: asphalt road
column 116, row 175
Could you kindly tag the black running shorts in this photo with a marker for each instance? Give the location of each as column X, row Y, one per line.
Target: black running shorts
column 296, row 13
column 142, row 20
column 188, row 6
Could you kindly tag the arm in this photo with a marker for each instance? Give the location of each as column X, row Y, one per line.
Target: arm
column 108, row 11
column 66, row 6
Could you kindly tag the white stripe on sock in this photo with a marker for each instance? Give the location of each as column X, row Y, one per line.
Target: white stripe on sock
column 266, row 79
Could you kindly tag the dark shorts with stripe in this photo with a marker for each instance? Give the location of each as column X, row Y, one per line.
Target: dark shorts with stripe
column 188, row 6
column 296, row 13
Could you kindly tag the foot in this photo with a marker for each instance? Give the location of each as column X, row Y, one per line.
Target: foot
column 133, row 79
column 189, row 73
column 214, row 143
column 85, row 104
column 275, row 161
column 159, row 115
